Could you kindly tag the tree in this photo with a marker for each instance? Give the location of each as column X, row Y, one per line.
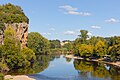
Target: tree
column 11, row 48
column 114, row 52
column 114, row 48
column 68, row 46
column 55, row 44
column 29, row 56
column 100, row 48
column 11, row 54
column 93, row 40
column 76, row 45
column 10, row 13
column 86, row 50
column 83, row 36
column 38, row 43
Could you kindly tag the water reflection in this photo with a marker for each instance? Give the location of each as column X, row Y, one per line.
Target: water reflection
column 68, row 59
column 57, row 67
column 39, row 65
column 93, row 69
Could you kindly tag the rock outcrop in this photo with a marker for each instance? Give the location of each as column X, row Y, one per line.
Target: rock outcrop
column 21, row 32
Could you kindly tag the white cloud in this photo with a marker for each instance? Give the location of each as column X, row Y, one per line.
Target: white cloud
column 112, row 20
column 69, row 33
column 95, row 27
column 78, row 13
column 46, row 33
column 89, row 33
column 52, row 29
column 68, row 8
column 73, row 11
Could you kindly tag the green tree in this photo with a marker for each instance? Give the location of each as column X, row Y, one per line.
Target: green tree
column 93, row 40
column 38, row 43
column 11, row 54
column 55, row 44
column 29, row 56
column 114, row 52
column 76, row 45
column 68, row 46
column 83, row 36
column 10, row 13
column 100, row 48
column 11, row 48
column 86, row 50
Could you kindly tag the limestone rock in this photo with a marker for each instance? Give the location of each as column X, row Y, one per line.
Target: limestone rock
column 21, row 32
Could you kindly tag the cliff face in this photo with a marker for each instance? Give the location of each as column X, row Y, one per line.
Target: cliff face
column 21, row 32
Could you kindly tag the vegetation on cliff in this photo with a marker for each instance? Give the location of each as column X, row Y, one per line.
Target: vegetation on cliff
column 10, row 13
column 11, row 54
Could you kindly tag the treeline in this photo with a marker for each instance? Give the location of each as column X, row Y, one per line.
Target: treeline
column 97, row 47
column 84, row 46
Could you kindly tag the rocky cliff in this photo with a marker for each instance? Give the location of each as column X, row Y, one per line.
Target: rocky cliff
column 21, row 32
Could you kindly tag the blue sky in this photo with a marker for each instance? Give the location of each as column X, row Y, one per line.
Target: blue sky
column 62, row 19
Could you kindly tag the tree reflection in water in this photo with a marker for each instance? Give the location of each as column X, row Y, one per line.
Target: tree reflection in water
column 94, row 69
column 41, row 63
column 85, row 70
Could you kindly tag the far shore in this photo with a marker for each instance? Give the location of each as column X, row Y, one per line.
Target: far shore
column 97, row 60
column 18, row 77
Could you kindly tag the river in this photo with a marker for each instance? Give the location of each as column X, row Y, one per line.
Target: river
column 61, row 68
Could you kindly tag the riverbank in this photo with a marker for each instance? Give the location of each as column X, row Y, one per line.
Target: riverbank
column 18, row 77
column 95, row 60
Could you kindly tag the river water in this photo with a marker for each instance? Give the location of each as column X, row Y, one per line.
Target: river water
column 61, row 68
column 57, row 67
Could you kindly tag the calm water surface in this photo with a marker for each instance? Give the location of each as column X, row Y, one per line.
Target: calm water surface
column 60, row 68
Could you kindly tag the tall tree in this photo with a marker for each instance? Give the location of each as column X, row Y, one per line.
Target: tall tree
column 38, row 43
column 83, row 36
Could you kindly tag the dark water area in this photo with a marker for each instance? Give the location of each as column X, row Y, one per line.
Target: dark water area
column 58, row 67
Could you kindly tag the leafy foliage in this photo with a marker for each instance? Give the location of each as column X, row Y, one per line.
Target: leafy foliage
column 83, row 36
column 68, row 46
column 12, row 56
column 10, row 13
column 38, row 43
column 86, row 50
column 55, row 44
column 97, row 46
column 100, row 48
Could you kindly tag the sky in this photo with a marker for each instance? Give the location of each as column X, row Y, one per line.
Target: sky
column 63, row 19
